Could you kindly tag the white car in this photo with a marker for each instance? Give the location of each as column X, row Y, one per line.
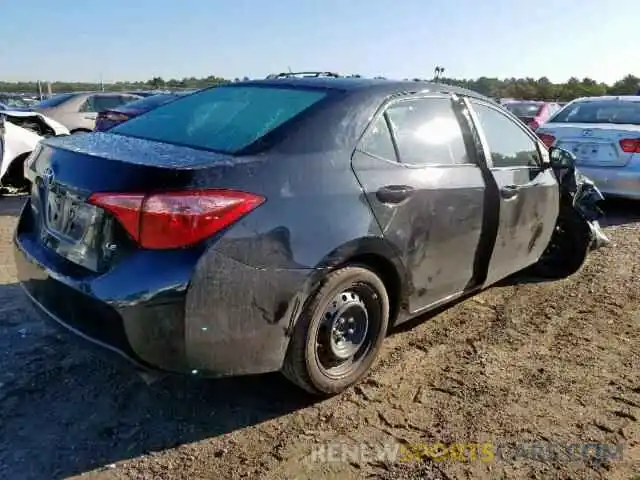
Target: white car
column 20, row 133
column 604, row 134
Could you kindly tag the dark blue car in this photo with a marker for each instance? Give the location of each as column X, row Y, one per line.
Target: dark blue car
column 287, row 224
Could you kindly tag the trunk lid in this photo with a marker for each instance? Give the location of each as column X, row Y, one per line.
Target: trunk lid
column 65, row 171
column 593, row 144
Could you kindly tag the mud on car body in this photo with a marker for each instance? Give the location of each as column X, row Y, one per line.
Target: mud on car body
column 286, row 224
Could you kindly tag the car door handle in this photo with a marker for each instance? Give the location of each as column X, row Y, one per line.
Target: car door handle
column 509, row 191
column 394, row 193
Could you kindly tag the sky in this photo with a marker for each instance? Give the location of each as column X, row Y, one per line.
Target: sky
column 87, row 40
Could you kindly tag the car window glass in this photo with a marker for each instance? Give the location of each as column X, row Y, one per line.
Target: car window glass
column 510, row 146
column 378, row 141
column 88, row 105
column 427, row 132
column 225, row 119
column 106, row 102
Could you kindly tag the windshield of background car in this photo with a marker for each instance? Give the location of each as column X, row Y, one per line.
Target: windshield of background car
column 55, row 100
column 148, row 103
column 600, row 111
column 524, row 109
column 222, row 119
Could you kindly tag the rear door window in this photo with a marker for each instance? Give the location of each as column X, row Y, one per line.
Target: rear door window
column 223, row 119
column 427, row 132
column 378, row 142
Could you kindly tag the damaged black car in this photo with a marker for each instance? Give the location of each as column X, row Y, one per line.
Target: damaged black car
column 287, row 224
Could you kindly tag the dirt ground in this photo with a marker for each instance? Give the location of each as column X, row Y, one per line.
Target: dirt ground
column 524, row 361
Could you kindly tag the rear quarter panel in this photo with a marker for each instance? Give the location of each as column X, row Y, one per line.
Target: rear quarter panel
column 315, row 211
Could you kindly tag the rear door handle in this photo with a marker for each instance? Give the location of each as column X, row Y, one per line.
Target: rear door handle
column 394, row 193
column 509, row 191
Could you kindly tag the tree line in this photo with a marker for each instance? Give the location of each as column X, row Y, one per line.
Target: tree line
column 522, row 88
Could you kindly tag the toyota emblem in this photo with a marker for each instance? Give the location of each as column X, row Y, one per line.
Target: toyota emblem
column 48, row 176
column 587, row 133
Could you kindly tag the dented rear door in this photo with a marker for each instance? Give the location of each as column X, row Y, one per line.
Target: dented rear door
column 527, row 190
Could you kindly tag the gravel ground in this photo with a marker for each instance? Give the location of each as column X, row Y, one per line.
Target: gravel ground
column 524, row 361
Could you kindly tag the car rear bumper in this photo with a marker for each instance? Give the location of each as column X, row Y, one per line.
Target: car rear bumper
column 233, row 319
column 619, row 182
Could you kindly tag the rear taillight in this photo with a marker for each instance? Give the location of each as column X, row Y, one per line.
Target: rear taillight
column 176, row 219
column 547, row 139
column 630, row 145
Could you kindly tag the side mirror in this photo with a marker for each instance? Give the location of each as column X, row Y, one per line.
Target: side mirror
column 561, row 158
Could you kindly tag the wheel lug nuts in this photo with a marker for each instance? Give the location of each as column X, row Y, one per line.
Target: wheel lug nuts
column 351, row 320
column 350, row 331
column 341, row 320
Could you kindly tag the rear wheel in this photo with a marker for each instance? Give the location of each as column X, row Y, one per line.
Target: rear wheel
column 339, row 333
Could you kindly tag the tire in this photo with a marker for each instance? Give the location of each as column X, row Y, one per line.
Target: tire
column 567, row 249
column 15, row 174
column 352, row 296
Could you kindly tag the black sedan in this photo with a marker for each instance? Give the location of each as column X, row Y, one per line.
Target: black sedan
column 287, row 224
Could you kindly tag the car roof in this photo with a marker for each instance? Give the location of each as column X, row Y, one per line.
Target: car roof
column 382, row 87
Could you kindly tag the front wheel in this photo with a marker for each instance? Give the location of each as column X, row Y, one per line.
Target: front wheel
column 339, row 333
column 567, row 249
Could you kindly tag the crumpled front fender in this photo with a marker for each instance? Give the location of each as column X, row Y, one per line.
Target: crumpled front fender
column 584, row 197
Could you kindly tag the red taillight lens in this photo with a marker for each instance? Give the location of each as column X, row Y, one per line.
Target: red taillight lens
column 176, row 219
column 547, row 139
column 630, row 145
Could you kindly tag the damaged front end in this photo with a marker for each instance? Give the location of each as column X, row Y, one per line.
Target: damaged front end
column 577, row 230
column 584, row 198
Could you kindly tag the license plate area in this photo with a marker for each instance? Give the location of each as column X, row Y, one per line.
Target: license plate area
column 593, row 153
column 68, row 217
column 70, row 227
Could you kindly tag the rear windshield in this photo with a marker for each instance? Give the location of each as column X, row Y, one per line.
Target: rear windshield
column 55, row 100
column 600, row 111
column 147, row 103
column 223, row 119
column 523, row 109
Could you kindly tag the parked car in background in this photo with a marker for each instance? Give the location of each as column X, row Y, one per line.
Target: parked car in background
column 604, row 134
column 114, row 116
column 17, row 143
column 533, row 114
column 287, row 224
column 78, row 111
column 38, row 123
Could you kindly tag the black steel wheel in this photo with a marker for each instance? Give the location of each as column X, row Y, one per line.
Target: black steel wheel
column 339, row 333
column 567, row 249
